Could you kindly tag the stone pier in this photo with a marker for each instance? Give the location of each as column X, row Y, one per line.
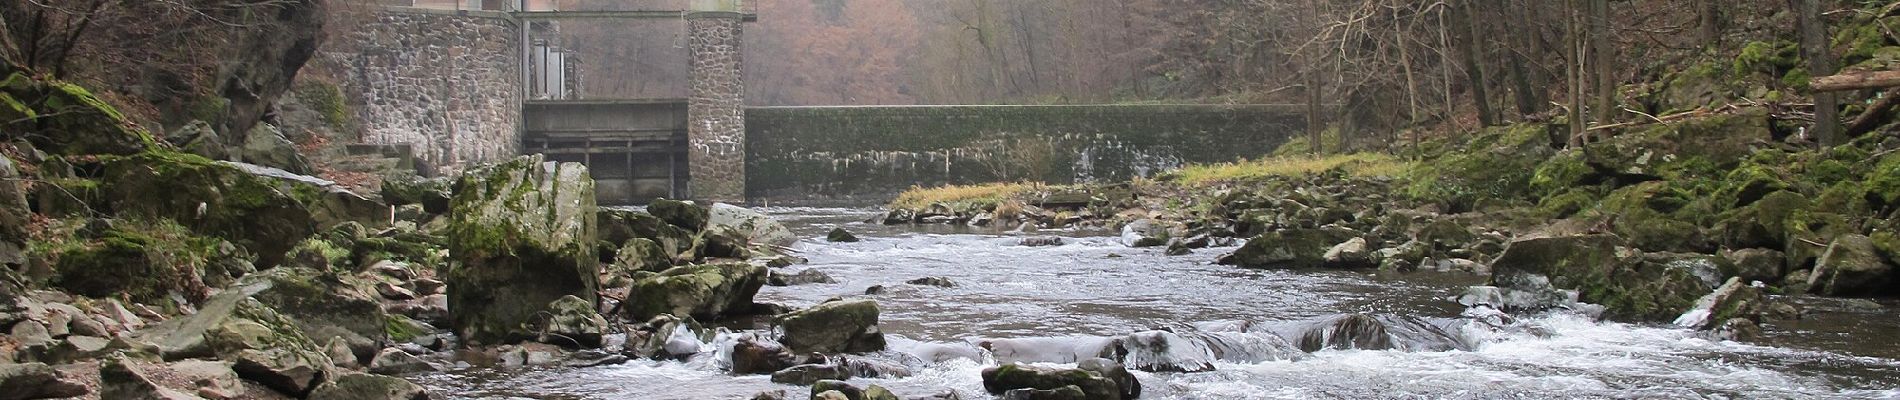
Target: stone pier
column 716, row 114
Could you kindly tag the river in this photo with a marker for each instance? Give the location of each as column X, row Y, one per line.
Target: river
column 1033, row 303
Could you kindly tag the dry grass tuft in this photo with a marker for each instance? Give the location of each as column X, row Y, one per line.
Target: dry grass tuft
column 988, row 193
column 1357, row 164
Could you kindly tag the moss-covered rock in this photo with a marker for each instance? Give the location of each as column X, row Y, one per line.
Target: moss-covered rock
column 360, row 386
column 1643, row 216
column 617, row 226
column 704, row 291
column 847, row 326
column 329, row 305
column 1012, row 376
column 683, row 214
column 261, row 214
column 1883, row 183
column 431, row 193
column 268, row 348
column 641, row 254
column 521, row 235
column 1852, row 266
column 1287, row 249
column 1497, row 163
column 1762, row 224
column 13, row 214
column 573, row 322
column 754, row 226
column 1628, row 286
column 68, row 119
column 146, row 262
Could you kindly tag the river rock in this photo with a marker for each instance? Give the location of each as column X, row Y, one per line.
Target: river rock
column 1130, row 387
column 1629, row 286
column 1349, row 255
column 1071, row 392
column 522, row 235
column 830, row 395
column 573, row 322
column 1287, row 249
column 666, row 337
column 844, row 326
column 13, row 215
column 721, row 242
column 875, row 392
column 327, row 305
column 36, row 381
column 359, row 386
column 1756, row 264
column 1851, row 267
column 1041, row 241
column 683, row 214
column 805, row 277
column 1164, row 351
column 809, row 374
column 1145, row 233
column 641, row 254
column 431, row 193
column 392, row 361
column 267, row 348
column 752, row 355
column 839, row 235
column 937, row 281
column 703, row 291
column 752, row 225
column 1004, row 378
column 119, row 379
column 617, row 226
column 820, row 389
column 1349, row 331
column 1733, row 299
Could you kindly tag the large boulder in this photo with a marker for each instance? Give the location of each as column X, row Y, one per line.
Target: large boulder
column 36, row 381
column 756, row 227
column 573, row 322
column 119, row 379
column 618, row 226
column 683, row 214
column 641, row 254
column 1287, row 249
column 264, row 215
column 13, row 214
column 846, row 326
column 145, row 262
column 267, row 348
column 703, row 291
column 328, row 305
column 1852, row 266
column 369, row 387
column 404, row 189
column 67, row 119
column 1004, row 378
column 1732, row 300
column 1628, row 285
column 521, row 234
column 266, row 146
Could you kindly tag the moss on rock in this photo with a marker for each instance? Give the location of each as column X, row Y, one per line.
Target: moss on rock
column 521, row 234
column 144, row 261
column 705, row 291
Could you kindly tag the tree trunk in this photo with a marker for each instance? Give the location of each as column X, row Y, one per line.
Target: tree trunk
column 1856, row 81
column 1709, row 15
column 1523, row 92
column 1814, row 45
column 1314, row 125
column 1602, row 60
column 1573, row 41
column 1474, row 72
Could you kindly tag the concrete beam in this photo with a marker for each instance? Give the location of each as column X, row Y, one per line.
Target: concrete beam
column 644, row 14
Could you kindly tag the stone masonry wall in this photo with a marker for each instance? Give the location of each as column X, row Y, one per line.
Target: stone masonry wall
column 716, row 115
column 869, row 154
column 448, row 84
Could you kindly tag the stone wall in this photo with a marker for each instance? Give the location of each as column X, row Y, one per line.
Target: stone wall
column 867, row 154
column 447, row 83
column 716, row 112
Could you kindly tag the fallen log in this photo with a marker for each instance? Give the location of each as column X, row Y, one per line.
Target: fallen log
column 1856, row 81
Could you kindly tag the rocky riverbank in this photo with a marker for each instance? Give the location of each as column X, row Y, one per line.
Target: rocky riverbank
column 1690, row 221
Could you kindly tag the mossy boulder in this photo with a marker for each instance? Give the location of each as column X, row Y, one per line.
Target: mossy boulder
column 1497, row 163
column 521, row 235
column 1680, row 149
column 261, row 214
column 572, row 322
column 1012, row 376
column 839, row 326
column 265, row 145
column 14, row 212
column 641, row 254
column 1645, row 215
column 1852, row 266
column 1627, row 285
column 267, row 348
column 360, row 386
column 1883, row 183
column 1287, row 249
column 754, row 226
column 705, row 291
column 63, row 118
column 146, row 262
column 329, row 305
column 618, row 226
column 1763, row 224
column 683, row 214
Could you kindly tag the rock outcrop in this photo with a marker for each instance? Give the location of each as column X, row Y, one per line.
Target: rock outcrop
column 522, row 234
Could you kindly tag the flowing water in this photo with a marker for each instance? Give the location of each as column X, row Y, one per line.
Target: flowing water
column 1049, row 304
